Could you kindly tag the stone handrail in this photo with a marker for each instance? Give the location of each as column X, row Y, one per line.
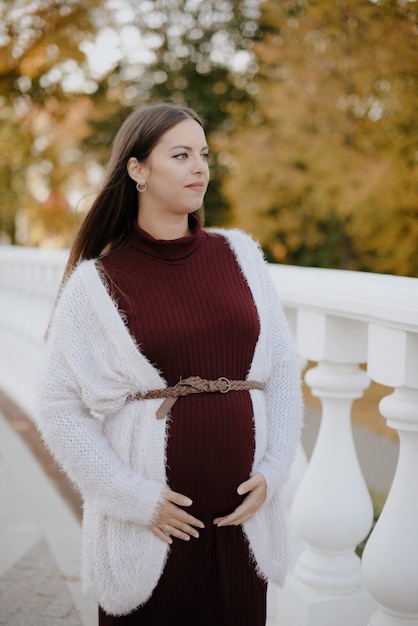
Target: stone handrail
column 29, row 282
column 340, row 320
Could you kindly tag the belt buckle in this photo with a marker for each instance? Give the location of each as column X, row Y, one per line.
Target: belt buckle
column 223, row 379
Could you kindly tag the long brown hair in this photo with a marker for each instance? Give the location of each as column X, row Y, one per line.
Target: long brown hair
column 108, row 224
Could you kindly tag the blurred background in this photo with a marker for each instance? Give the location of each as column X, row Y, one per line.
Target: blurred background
column 311, row 109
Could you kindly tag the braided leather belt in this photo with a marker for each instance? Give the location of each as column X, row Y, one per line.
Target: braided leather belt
column 194, row 384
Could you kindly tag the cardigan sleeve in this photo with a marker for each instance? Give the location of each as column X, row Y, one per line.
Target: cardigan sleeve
column 77, row 383
column 276, row 363
column 284, row 405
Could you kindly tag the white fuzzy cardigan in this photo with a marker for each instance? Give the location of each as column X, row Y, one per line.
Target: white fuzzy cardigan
column 114, row 450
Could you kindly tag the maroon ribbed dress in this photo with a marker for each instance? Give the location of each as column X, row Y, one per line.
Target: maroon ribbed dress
column 191, row 312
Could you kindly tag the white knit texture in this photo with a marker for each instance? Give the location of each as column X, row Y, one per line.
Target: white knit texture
column 114, row 450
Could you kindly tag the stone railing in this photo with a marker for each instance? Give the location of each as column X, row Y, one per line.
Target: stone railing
column 29, row 281
column 340, row 320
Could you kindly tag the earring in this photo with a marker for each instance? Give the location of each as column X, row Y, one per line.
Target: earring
column 141, row 187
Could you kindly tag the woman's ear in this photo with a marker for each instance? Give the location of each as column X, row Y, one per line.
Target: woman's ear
column 136, row 170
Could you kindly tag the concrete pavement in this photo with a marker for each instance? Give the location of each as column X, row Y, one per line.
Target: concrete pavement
column 39, row 544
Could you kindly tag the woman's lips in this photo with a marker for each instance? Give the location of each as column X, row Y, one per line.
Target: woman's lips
column 196, row 186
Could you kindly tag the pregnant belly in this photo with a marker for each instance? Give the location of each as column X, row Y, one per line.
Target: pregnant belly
column 210, row 450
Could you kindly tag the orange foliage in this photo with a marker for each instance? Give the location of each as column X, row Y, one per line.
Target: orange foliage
column 328, row 174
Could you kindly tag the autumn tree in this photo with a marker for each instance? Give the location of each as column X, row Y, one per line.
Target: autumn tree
column 64, row 113
column 42, row 116
column 328, row 173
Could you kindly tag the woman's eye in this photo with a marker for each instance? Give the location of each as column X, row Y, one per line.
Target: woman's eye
column 205, row 156
column 181, row 156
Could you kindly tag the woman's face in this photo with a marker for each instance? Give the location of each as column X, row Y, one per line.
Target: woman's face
column 176, row 172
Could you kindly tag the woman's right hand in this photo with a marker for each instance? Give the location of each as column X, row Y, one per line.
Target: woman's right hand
column 173, row 521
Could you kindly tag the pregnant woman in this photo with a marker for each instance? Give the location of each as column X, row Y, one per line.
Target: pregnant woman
column 170, row 393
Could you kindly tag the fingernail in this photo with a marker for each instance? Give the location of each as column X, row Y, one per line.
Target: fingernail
column 187, row 502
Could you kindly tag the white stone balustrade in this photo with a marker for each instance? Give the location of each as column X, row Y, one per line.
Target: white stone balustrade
column 29, row 281
column 341, row 320
column 345, row 319
column 390, row 561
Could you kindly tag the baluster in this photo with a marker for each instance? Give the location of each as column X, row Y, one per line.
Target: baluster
column 332, row 509
column 390, row 559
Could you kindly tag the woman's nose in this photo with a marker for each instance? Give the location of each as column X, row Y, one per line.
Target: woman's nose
column 199, row 164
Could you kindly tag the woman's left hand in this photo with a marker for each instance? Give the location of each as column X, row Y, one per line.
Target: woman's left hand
column 256, row 488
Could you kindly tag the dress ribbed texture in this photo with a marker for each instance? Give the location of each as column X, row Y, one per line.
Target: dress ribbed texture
column 189, row 309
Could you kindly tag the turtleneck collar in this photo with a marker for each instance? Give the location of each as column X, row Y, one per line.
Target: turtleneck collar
column 172, row 250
